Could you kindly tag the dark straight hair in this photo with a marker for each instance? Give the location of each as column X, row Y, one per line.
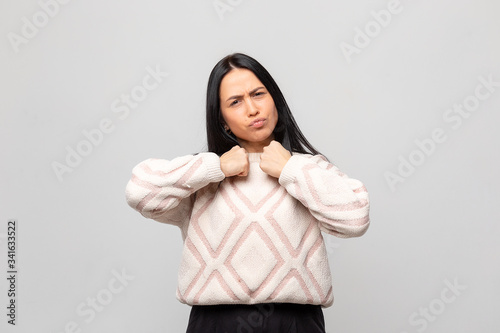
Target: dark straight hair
column 286, row 132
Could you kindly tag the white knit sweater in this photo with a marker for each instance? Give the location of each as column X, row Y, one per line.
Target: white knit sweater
column 253, row 239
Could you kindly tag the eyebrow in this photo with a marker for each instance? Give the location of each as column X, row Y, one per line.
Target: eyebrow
column 239, row 96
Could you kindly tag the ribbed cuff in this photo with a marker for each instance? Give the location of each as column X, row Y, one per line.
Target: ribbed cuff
column 212, row 164
column 290, row 170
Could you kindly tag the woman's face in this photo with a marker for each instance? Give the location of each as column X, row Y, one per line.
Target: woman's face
column 248, row 109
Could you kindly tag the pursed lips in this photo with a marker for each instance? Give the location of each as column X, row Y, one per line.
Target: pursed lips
column 257, row 121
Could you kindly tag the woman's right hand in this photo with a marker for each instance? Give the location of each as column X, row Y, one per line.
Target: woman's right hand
column 235, row 162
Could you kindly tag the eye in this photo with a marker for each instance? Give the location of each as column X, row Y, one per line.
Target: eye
column 234, row 102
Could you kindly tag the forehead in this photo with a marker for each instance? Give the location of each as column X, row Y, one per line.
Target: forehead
column 238, row 81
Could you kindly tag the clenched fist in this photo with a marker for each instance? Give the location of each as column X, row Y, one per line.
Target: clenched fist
column 274, row 158
column 235, row 162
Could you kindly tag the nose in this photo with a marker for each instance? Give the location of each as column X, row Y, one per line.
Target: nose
column 252, row 108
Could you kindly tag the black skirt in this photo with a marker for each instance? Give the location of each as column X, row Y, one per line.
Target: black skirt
column 258, row 318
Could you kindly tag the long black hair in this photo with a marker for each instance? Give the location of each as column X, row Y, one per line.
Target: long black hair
column 286, row 132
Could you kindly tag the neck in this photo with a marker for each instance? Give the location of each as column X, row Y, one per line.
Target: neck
column 255, row 147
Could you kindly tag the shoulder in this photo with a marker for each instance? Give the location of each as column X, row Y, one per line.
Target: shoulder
column 305, row 157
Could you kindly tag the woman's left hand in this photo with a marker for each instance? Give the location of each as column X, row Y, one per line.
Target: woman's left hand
column 274, row 158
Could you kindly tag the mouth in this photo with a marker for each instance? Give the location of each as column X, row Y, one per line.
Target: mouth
column 259, row 122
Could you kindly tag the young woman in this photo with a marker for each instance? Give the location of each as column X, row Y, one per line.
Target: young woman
column 251, row 210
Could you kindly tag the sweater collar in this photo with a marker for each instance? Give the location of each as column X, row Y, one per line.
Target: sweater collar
column 254, row 157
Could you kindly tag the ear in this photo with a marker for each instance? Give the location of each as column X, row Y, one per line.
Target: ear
column 226, row 128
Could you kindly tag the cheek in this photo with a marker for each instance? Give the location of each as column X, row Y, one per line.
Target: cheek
column 275, row 115
column 225, row 117
column 230, row 120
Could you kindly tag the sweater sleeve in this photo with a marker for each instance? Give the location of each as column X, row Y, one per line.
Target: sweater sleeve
column 163, row 190
column 339, row 203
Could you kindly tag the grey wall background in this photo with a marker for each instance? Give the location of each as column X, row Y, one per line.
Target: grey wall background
column 429, row 261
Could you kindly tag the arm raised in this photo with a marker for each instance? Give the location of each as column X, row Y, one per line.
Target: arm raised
column 340, row 204
column 161, row 189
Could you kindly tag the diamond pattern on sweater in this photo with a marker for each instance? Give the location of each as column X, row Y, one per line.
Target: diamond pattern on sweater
column 209, row 227
column 302, row 224
column 254, row 242
column 316, row 264
column 215, row 241
column 293, row 286
column 254, row 249
column 251, row 239
column 213, row 288
column 191, row 268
